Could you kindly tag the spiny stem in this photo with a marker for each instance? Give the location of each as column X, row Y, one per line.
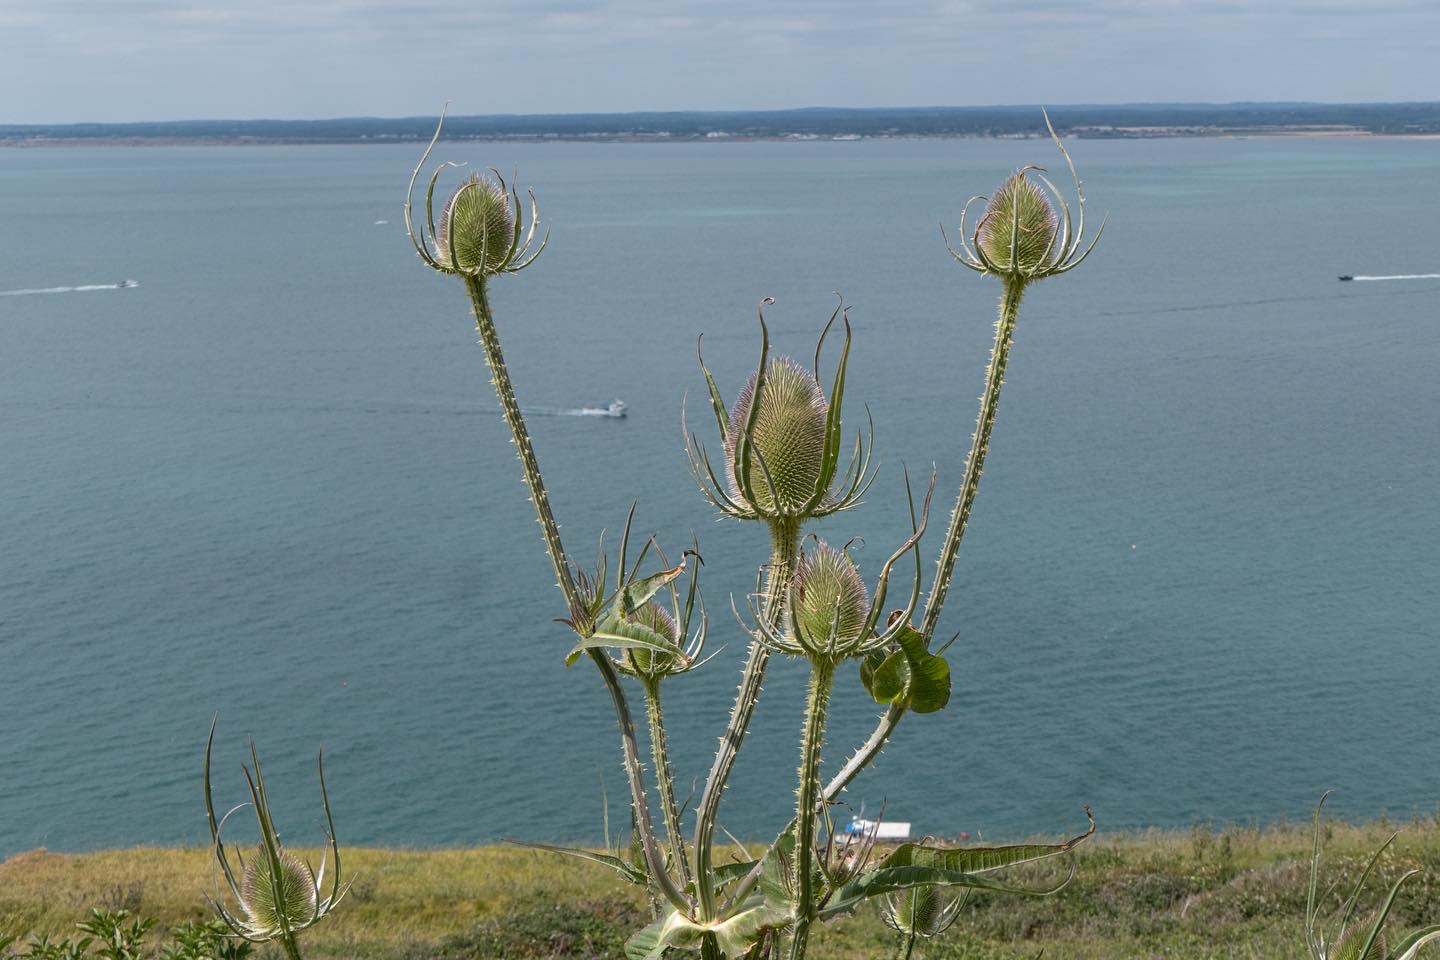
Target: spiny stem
column 979, row 446
column 970, row 484
column 500, row 375
column 665, row 778
column 784, row 549
column 906, row 948
column 292, row 949
column 822, row 678
column 654, row 859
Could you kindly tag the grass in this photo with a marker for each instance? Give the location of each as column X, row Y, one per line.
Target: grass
column 1180, row 895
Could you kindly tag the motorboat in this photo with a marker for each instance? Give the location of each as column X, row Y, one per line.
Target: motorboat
column 615, row 408
column 1346, row 276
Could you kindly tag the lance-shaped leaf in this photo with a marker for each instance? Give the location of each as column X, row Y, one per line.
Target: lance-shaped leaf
column 637, row 593
column 913, row 865
column 627, row 871
column 620, row 634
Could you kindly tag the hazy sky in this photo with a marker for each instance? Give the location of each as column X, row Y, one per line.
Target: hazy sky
column 110, row 60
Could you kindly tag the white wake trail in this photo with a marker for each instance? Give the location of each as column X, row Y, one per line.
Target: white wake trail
column 1402, row 276
column 83, row 288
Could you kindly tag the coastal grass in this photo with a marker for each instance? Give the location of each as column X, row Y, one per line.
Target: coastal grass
column 1201, row 894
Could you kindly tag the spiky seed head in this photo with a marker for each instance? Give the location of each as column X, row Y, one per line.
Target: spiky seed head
column 789, row 433
column 297, row 900
column 918, row 910
column 1021, row 214
column 829, row 598
column 1353, row 939
column 652, row 663
column 478, row 224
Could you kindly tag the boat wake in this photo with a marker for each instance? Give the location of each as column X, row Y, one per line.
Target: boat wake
column 1398, row 276
column 84, row 288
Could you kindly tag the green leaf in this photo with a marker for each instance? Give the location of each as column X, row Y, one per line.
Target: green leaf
column 915, row 864
column 911, row 677
column 873, row 883
column 637, row 593
column 734, row 934
column 617, row 633
column 626, row 871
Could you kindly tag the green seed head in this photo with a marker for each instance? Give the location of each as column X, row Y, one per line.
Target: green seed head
column 652, row 663
column 294, row 908
column 477, row 228
column 830, row 604
column 1019, row 227
column 789, row 434
column 1348, row 948
column 919, row 910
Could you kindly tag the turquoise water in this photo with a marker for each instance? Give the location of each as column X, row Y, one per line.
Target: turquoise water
column 271, row 481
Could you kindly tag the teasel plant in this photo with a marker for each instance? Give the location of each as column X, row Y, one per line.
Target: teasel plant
column 784, row 462
column 275, row 894
column 1355, row 935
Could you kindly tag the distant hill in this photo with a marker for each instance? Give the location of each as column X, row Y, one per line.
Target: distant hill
column 1124, row 120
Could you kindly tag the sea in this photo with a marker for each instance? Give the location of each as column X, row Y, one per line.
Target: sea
column 264, row 481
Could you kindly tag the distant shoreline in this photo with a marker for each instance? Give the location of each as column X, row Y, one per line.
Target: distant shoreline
column 1125, row 121
column 132, row 142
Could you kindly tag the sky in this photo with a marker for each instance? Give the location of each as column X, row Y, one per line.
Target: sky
column 64, row 61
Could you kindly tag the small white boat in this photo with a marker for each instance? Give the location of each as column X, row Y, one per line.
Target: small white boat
column 616, row 408
column 126, row 284
column 880, row 829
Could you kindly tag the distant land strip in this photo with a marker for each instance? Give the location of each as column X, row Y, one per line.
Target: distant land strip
column 1141, row 120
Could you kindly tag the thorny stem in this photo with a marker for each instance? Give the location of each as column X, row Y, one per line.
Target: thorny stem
column 822, row 678
column 520, row 436
column 654, row 859
column 784, row 549
column 906, row 948
column 292, row 949
column 979, row 446
column 664, row 777
column 969, row 486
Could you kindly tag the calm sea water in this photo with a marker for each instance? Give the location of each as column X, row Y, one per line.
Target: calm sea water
column 271, row 481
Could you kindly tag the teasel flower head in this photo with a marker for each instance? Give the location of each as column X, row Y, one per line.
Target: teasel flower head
column 828, row 603
column 783, row 440
column 275, row 894
column 844, row 857
column 922, row 911
column 1019, row 236
column 649, row 639
column 829, row 616
column 1351, row 945
column 481, row 231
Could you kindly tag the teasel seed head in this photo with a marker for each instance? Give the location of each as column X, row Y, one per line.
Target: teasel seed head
column 1020, row 237
column 830, row 605
column 481, row 232
column 788, row 437
column 1018, row 229
column 921, row 911
column 652, row 663
column 477, row 227
column 1353, row 940
column 295, row 907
